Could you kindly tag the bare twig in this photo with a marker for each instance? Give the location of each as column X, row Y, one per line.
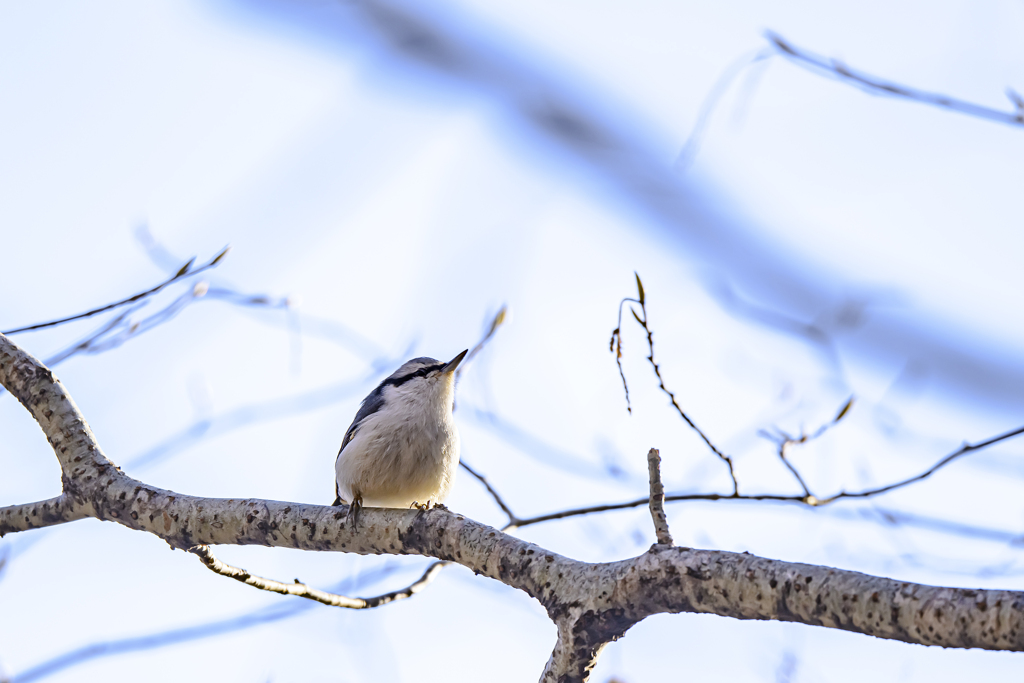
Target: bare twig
column 963, row 450
column 783, row 441
column 617, row 336
column 512, row 519
column 783, row 445
column 186, row 271
column 303, row 591
column 615, row 345
column 657, row 501
column 876, row 86
column 121, row 328
column 803, row 499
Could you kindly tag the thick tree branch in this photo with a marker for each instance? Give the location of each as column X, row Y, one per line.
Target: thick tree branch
column 591, row 604
column 40, row 514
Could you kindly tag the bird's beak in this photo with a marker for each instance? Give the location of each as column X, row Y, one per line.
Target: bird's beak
column 454, row 363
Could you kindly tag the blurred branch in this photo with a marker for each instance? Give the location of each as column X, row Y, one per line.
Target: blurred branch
column 152, row 641
column 813, row 333
column 303, row 591
column 617, row 348
column 604, row 140
column 892, row 517
column 536, row 448
column 877, row 86
column 254, row 413
column 186, row 271
column 121, row 328
column 330, row 330
column 496, row 322
column 692, row 145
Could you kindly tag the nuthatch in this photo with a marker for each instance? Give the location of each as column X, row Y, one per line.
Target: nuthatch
column 402, row 448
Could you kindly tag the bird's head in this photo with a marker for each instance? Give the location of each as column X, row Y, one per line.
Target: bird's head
column 422, row 377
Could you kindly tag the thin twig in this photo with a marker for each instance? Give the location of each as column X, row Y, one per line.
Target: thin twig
column 185, row 271
column 805, row 500
column 617, row 335
column 303, row 591
column 963, row 450
column 783, row 445
column 876, row 86
column 783, row 441
column 512, row 519
column 615, row 346
column 609, row 507
column 661, row 384
column 657, row 500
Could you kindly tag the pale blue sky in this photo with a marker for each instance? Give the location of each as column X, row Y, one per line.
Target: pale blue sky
column 408, row 202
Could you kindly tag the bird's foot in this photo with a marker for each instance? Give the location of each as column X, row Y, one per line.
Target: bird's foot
column 353, row 510
column 427, row 506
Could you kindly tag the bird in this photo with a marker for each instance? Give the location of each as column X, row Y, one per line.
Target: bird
column 402, row 448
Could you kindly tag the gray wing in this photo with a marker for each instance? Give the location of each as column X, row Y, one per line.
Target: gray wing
column 371, row 404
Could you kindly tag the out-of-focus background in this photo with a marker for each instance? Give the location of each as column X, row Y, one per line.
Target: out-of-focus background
column 389, row 175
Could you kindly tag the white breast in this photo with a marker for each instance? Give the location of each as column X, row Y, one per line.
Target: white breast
column 407, row 451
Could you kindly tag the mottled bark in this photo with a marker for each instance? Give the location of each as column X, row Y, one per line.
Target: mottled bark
column 591, row 604
column 657, row 499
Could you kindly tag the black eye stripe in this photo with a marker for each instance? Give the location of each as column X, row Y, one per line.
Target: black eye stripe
column 422, row 372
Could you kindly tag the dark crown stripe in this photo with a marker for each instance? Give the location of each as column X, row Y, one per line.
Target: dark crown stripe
column 422, row 372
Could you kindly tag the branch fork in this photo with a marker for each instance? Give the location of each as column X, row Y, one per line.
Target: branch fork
column 590, row 604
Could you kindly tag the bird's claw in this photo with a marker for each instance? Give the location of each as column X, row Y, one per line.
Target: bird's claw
column 427, row 506
column 353, row 510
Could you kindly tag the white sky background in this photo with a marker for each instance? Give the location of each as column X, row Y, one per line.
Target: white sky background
column 409, row 206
